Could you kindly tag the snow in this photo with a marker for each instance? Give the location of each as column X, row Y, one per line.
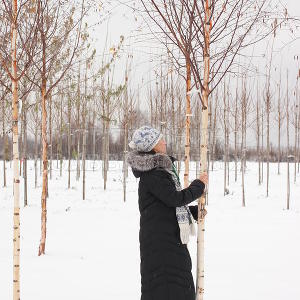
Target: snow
column 92, row 249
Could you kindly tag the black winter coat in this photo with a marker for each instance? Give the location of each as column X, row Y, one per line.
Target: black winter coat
column 165, row 262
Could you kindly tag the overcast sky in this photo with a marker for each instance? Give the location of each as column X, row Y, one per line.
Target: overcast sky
column 124, row 22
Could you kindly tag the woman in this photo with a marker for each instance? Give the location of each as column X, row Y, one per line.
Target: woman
column 166, row 222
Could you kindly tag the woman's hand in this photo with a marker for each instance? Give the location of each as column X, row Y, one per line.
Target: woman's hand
column 204, row 178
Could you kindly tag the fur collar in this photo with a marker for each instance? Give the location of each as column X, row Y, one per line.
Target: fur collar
column 143, row 161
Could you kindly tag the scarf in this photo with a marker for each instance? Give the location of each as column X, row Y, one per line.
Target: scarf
column 143, row 161
column 183, row 214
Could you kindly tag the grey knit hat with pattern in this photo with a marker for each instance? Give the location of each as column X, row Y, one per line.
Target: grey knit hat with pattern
column 145, row 138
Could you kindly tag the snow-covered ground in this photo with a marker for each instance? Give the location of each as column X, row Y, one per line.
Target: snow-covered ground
column 92, row 250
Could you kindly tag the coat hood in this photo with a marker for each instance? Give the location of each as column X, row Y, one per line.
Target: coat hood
column 145, row 161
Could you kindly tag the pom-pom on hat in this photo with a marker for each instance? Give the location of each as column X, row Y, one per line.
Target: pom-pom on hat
column 145, row 138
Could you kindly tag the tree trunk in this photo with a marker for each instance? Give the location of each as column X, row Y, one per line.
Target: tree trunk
column 198, row 147
column 78, row 126
column 279, row 130
column 298, row 143
column 4, row 142
column 288, row 145
column 173, row 140
column 41, row 149
column 125, row 167
column 36, row 144
column 258, row 138
column 16, row 181
column 244, row 95
column 69, row 141
column 214, row 132
column 235, row 134
column 21, row 143
column 268, row 139
column 203, row 168
column 106, row 151
column 94, row 132
column 296, row 134
column 45, row 152
column 83, row 160
column 179, row 132
column 187, row 124
column 262, row 145
column 106, row 142
column 50, row 133
column 61, row 136
column 25, row 149
column 84, row 134
column 225, row 140
column 209, row 142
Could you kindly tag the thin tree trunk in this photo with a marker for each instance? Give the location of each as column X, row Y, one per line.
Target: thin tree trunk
column 125, row 168
column 279, row 130
column 4, row 142
column 16, row 181
column 243, row 143
column 296, row 134
column 179, row 131
column 125, row 159
column 245, row 137
column 262, row 145
column 198, row 139
column 106, row 162
column 69, row 141
column 209, row 135
column 298, row 143
column 214, row 131
column 21, row 154
column 202, row 200
column 50, row 133
column 84, row 134
column 173, row 141
column 83, row 160
column 61, row 136
column 288, row 145
column 42, row 245
column 151, row 106
column 235, row 134
column 187, row 125
column 268, row 140
column 258, row 138
column 78, row 126
column 41, row 149
column 106, row 139
column 36, row 143
column 225, row 140
column 94, row 130
column 25, row 149
column 227, row 137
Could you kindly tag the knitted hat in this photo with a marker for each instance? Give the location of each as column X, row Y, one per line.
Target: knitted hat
column 145, row 138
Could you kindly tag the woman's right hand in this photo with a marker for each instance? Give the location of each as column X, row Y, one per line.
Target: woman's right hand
column 204, row 178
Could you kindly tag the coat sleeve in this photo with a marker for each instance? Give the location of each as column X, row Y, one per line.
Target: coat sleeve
column 194, row 211
column 163, row 188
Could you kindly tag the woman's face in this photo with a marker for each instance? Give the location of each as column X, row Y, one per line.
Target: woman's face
column 161, row 146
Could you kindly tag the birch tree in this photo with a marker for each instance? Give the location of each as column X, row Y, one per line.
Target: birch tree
column 15, row 65
column 288, row 143
column 214, row 23
column 181, row 33
column 56, row 25
column 4, row 116
column 279, row 119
